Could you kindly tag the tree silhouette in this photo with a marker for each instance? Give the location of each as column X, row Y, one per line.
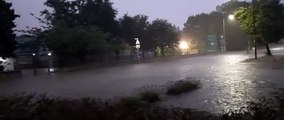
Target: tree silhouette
column 7, row 36
column 163, row 34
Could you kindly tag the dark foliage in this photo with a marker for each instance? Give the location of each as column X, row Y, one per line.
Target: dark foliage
column 1, row 68
column 43, row 108
column 269, row 17
column 197, row 28
column 7, row 37
column 183, row 86
column 164, row 35
column 135, row 27
column 150, row 96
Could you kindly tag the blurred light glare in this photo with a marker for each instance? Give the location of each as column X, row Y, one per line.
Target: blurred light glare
column 233, row 59
column 231, row 17
column 1, row 59
column 183, row 45
column 49, row 54
column 280, row 48
column 52, row 69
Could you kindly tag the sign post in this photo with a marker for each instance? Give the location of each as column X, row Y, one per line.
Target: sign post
column 137, row 46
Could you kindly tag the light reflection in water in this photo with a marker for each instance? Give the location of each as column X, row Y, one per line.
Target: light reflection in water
column 237, row 86
column 233, row 59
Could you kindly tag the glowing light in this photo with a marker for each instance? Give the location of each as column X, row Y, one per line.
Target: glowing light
column 137, row 44
column 280, row 48
column 231, row 17
column 1, row 59
column 183, row 45
column 52, row 70
column 49, row 54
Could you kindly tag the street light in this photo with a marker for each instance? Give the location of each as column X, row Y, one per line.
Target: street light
column 183, row 45
column 231, row 17
column 223, row 37
column 137, row 46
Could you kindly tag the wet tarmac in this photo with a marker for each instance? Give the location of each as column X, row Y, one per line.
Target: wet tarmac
column 227, row 82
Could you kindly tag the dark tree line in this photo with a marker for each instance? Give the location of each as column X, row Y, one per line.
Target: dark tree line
column 76, row 29
column 268, row 18
column 197, row 28
column 79, row 28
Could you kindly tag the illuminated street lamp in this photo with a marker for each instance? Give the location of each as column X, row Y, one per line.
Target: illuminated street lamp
column 223, row 37
column 183, row 45
column 137, row 46
column 231, row 17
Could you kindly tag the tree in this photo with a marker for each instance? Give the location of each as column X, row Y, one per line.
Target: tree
column 75, row 42
column 231, row 6
column 7, row 37
column 98, row 13
column 164, row 34
column 85, row 14
column 269, row 21
column 198, row 27
column 135, row 27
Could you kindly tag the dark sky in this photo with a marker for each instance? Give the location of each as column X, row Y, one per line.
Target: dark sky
column 176, row 11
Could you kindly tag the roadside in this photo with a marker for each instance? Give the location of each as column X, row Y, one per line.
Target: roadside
column 274, row 62
column 91, row 65
column 88, row 66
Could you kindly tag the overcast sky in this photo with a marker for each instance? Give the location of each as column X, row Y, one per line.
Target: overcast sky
column 176, row 11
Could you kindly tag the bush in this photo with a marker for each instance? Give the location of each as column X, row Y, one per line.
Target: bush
column 132, row 108
column 150, row 96
column 263, row 110
column 44, row 108
column 182, row 86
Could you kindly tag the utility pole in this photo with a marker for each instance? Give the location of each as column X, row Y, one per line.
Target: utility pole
column 224, row 36
column 254, row 29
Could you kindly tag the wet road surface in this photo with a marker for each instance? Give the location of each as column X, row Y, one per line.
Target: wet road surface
column 227, row 82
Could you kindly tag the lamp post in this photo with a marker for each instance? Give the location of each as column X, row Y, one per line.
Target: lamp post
column 223, row 37
column 254, row 29
column 50, row 63
column 137, row 46
column 34, row 65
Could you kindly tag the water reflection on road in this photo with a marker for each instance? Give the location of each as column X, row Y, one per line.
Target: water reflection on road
column 226, row 83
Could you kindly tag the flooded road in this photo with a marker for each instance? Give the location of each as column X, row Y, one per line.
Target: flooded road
column 227, row 82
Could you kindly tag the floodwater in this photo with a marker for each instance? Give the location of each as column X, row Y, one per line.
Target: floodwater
column 227, row 82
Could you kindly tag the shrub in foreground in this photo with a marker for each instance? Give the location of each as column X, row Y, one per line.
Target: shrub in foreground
column 44, row 108
column 182, row 86
column 150, row 96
